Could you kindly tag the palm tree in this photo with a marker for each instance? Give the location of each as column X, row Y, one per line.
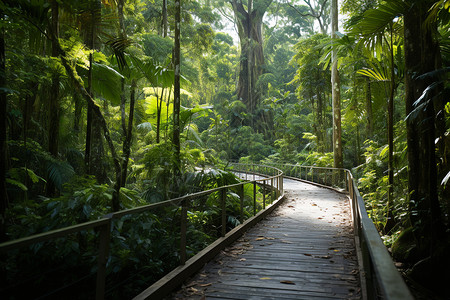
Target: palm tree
column 376, row 31
column 336, row 94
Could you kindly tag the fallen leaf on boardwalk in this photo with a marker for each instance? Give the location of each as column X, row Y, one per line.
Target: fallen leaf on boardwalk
column 270, row 238
column 265, row 278
column 242, row 259
column 287, row 282
column 259, row 239
column 326, row 257
column 194, row 283
column 336, row 250
column 204, row 285
column 307, row 254
column 314, row 204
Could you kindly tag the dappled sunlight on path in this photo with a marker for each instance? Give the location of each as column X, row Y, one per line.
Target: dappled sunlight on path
column 303, row 250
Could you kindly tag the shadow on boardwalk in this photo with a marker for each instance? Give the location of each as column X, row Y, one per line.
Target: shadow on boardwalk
column 303, row 250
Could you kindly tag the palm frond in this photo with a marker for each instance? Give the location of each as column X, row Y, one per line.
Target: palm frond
column 107, row 82
column 118, row 46
column 59, row 172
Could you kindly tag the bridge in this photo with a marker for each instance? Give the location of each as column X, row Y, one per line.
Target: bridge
column 311, row 239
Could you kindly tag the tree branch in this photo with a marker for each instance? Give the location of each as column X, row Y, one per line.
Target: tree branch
column 300, row 13
column 96, row 109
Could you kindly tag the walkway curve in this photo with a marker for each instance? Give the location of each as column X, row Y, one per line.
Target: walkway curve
column 303, row 250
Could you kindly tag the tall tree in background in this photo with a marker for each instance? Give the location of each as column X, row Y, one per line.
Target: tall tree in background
column 53, row 124
column 336, row 94
column 127, row 128
column 319, row 11
column 3, row 135
column 249, row 19
column 94, row 153
column 177, row 87
column 164, row 19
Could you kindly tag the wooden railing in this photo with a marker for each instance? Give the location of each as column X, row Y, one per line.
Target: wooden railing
column 380, row 278
column 271, row 192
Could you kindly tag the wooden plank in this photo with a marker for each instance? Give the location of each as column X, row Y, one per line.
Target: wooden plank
column 304, row 250
column 174, row 279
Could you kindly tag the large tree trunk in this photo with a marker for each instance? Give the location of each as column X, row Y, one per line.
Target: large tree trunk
column 252, row 57
column 53, row 125
column 3, row 136
column 95, row 152
column 336, row 93
column 420, row 48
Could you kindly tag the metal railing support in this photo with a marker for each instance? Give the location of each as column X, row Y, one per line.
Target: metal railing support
column 183, row 231
column 103, row 249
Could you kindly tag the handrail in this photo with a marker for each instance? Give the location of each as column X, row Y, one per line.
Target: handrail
column 274, row 183
column 380, row 274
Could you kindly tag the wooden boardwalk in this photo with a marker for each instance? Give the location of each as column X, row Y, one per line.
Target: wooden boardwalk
column 303, row 250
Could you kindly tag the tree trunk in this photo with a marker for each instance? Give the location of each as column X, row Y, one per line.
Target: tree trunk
column 252, row 57
column 3, row 136
column 53, row 125
column 96, row 154
column 369, row 114
column 336, row 94
column 164, row 18
column 177, row 87
column 158, row 117
column 390, row 220
column 128, row 136
column 321, row 123
column 420, row 49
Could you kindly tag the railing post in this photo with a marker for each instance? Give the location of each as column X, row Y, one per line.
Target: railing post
column 272, row 190
column 254, row 198
column 183, row 229
column 223, row 204
column 241, row 198
column 264, row 194
column 103, row 249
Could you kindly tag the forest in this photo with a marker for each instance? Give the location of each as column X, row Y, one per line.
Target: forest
column 107, row 105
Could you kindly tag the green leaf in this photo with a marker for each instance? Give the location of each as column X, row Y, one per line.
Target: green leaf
column 446, row 178
column 17, row 183
column 378, row 76
column 35, row 178
column 107, row 82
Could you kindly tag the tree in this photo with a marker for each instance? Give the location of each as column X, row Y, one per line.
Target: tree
column 314, row 84
column 3, row 134
column 421, row 57
column 177, row 95
column 318, row 11
column 336, row 93
column 53, row 125
column 249, row 19
column 377, row 34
